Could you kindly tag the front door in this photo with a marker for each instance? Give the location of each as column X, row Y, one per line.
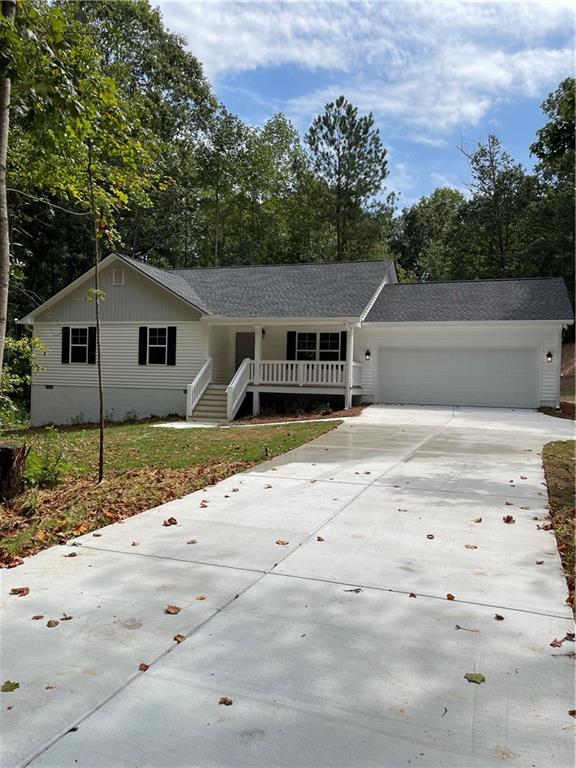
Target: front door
column 244, row 346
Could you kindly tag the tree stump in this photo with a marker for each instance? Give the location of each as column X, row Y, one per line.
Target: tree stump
column 12, row 462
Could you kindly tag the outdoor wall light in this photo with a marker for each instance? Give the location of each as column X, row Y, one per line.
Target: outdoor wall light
column 367, row 355
column 549, row 356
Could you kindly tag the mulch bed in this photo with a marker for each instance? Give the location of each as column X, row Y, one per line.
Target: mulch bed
column 356, row 410
column 567, row 410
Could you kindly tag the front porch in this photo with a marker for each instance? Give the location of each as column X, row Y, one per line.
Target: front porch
column 242, row 359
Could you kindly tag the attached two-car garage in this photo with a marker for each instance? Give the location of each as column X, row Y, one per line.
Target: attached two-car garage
column 494, row 376
column 478, row 342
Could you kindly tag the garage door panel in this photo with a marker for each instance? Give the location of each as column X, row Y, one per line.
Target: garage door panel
column 505, row 377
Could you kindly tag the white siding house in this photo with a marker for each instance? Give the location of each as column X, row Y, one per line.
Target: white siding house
column 195, row 342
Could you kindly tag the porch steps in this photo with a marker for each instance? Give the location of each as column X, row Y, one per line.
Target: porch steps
column 212, row 404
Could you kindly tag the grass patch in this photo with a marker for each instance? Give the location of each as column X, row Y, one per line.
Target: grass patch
column 145, row 466
column 559, row 465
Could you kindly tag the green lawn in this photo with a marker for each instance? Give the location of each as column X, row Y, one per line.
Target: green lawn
column 145, row 466
column 559, row 466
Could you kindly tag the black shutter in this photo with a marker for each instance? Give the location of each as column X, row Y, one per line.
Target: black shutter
column 65, row 344
column 291, row 345
column 343, row 345
column 142, row 345
column 171, row 351
column 92, row 345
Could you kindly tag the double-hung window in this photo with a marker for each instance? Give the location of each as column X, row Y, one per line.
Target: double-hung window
column 79, row 345
column 322, row 346
column 157, row 346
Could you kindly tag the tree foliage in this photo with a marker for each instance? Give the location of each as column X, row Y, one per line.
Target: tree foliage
column 349, row 158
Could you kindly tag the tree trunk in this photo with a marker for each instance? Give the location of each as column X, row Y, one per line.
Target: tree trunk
column 96, row 223
column 9, row 11
column 12, row 461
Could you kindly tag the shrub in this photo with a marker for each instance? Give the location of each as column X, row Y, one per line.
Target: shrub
column 45, row 469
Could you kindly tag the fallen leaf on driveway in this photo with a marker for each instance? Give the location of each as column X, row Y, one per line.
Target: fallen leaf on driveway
column 477, row 520
column 203, row 504
column 8, row 686
column 475, row 677
column 66, row 617
column 282, row 542
column 523, row 477
column 356, row 590
column 508, row 503
column 267, row 487
column 97, row 535
column 20, row 591
column 170, row 521
column 235, row 490
column 471, row 546
column 570, row 637
column 450, row 596
column 498, row 617
column 172, row 609
column 192, row 541
column 508, row 519
column 143, row 667
column 539, row 562
column 226, row 701
column 52, row 623
column 72, row 554
column 524, row 507
column 412, row 594
column 179, row 638
column 37, row 617
column 556, row 643
column 200, row 597
column 429, row 535
column 572, row 712
column 319, row 538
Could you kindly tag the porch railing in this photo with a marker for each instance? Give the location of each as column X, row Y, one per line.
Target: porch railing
column 198, row 386
column 298, row 373
column 236, row 390
column 356, row 374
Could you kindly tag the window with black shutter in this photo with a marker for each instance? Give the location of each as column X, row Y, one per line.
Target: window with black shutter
column 157, row 346
column 79, row 345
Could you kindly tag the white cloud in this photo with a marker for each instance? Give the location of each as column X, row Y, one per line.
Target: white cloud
column 422, row 68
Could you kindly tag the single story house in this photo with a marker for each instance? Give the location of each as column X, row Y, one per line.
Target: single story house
column 194, row 342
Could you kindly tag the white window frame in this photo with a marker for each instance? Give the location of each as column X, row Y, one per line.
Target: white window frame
column 163, row 346
column 117, row 275
column 317, row 350
column 78, row 345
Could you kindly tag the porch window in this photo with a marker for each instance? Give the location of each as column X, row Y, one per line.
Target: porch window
column 329, row 346
column 320, row 346
column 306, row 346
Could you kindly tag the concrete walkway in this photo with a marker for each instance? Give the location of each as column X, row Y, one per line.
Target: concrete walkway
column 325, row 619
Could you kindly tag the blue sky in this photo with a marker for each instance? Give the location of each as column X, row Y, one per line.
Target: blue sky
column 436, row 75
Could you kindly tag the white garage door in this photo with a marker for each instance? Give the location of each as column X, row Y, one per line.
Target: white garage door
column 505, row 377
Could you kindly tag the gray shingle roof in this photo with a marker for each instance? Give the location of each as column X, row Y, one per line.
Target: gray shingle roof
column 514, row 299
column 335, row 289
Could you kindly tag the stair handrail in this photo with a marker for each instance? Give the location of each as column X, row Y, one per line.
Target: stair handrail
column 236, row 390
column 198, row 387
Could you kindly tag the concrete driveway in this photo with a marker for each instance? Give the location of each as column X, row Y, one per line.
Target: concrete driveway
column 315, row 598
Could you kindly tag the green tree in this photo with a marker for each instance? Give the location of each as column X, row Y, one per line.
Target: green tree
column 76, row 139
column 495, row 215
column 348, row 156
column 421, row 234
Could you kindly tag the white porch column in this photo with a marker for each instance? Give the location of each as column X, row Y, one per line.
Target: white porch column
column 349, row 361
column 257, row 360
